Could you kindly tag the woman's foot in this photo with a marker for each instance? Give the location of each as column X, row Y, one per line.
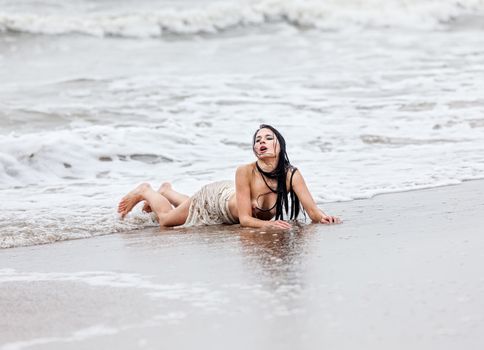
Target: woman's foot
column 165, row 186
column 128, row 202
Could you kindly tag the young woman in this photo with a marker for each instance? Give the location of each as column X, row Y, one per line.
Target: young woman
column 261, row 192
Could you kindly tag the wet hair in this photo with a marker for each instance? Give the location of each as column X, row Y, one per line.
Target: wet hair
column 280, row 174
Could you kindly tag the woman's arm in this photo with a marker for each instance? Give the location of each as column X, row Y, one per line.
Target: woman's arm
column 307, row 201
column 244, row 207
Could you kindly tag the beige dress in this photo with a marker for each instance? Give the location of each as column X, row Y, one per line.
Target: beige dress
column 210, row 205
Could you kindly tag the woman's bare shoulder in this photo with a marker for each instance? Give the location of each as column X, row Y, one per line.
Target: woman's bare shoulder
column 245, row 173
column 291, row 170
column 246, row 168
column 290, row 175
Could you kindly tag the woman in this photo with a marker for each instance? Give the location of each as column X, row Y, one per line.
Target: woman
column 260, row 194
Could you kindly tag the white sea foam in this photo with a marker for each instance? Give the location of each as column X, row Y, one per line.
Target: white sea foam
column 217, row 16
column 82, row 334
column 199, row 295
column 203, row 296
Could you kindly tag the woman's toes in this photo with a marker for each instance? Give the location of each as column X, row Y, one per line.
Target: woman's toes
column 120, row 207
column 165, row 186
column 131, row 199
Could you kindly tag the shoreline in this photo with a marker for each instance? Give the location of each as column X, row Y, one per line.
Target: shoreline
column 403, row 270
column 321, row 205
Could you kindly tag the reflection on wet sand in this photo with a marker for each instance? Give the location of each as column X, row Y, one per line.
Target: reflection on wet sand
column 272, row 257
column 268, row 256
column 276, row 254
column 257, row 272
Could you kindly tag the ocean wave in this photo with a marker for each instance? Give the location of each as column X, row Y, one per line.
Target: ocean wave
column 92, row 152
column 219, row 17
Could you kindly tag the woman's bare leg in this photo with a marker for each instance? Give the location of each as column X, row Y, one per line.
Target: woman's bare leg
column 175, row 198
column 156, row 201
column 177, row 216
column 167, row 216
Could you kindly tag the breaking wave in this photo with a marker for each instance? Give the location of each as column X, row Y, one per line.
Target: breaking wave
column 220, row 17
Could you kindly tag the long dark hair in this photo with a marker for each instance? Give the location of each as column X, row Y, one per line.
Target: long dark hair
column 280, row 174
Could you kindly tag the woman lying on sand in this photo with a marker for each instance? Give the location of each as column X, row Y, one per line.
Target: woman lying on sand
column 260, row 193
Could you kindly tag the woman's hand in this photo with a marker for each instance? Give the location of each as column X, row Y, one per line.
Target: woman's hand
column 278, row 224
column 328, row 219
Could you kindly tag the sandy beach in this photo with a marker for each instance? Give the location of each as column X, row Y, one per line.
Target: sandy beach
column 403, row 271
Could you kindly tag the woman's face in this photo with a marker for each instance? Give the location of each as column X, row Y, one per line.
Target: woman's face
column 266, row 144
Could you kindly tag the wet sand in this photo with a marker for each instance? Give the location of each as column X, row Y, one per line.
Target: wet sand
column 404, row 271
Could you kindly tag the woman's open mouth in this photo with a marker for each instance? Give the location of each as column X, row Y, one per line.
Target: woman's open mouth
column 263, row 149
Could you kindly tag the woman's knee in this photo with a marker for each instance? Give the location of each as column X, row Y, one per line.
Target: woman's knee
column 162, row 219
column 175, row 217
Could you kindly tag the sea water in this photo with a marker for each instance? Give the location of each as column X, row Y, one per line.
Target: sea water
column 372, row 97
